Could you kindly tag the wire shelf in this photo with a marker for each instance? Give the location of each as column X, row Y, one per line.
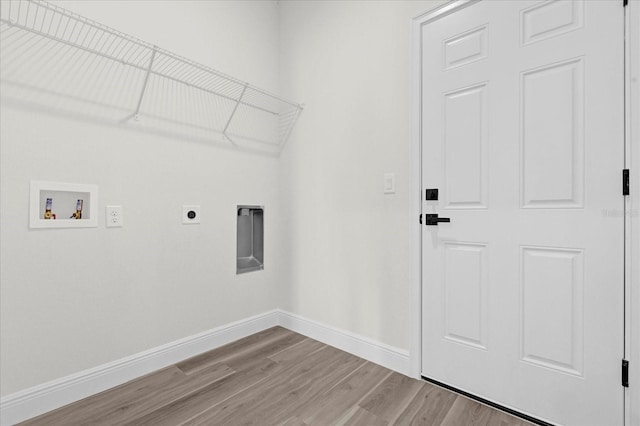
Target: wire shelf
column 56, row 59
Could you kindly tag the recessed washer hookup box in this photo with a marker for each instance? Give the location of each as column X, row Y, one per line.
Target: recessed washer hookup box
column 250, row 243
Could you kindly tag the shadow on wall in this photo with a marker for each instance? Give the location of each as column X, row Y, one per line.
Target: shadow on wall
column 67, row 64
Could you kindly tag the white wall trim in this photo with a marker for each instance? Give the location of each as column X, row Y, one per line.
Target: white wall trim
column 48, row 396
column 387, row 356
column 415, row 231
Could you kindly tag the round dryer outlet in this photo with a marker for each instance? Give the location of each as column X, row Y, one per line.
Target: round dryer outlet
column 190, row 214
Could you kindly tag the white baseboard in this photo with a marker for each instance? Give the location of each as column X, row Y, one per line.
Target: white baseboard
column 387, row 356
column 48, row 396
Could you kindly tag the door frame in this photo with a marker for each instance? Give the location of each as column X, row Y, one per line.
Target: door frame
column 632, row 210
column 632, row 202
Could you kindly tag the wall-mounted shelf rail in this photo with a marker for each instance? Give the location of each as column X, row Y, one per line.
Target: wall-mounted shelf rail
column 56, row 59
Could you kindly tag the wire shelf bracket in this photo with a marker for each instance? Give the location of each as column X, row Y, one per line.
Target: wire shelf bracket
column 144, row 87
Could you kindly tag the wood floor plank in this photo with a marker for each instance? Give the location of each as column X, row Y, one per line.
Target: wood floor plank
column 119, row 405
column 276, row 377
column 339, row 399
column 468, row 412
column 244, row 360
column 183, row 408
column 237, row 350
column 191, row 405
column 293, row 421
column 297, row 351
column 392, row 397
column 498, row 418
column 358, row 416
column 311, row 388
column 287, row 391
column 428, row 408
column 92, row 409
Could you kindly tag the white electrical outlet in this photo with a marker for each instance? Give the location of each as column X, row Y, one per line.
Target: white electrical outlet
column 190, row 214
column 114, row 217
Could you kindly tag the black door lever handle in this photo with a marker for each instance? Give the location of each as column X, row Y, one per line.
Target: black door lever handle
column 433, row 219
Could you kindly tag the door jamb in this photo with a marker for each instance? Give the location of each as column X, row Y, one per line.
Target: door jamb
column 632, row 210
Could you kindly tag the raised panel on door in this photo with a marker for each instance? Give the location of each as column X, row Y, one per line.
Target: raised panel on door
column 545, row 20
column 552, row 333
column 465, row 48
column 465, row 294
column 465, row 150
column 552, row 135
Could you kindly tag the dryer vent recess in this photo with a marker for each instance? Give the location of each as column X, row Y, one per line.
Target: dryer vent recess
column 250, row 244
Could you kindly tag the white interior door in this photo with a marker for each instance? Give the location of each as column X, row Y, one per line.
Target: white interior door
column 522, row 133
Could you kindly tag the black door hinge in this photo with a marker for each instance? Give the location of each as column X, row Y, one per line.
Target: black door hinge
column 625, row 182
column 625, row 3
column 420, row 219
column 625, row 373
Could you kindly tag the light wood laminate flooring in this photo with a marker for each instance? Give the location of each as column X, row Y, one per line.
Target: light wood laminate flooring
column 276, row 377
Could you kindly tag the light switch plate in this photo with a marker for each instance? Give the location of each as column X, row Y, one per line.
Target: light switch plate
column 190, row 214
column 389, row 183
